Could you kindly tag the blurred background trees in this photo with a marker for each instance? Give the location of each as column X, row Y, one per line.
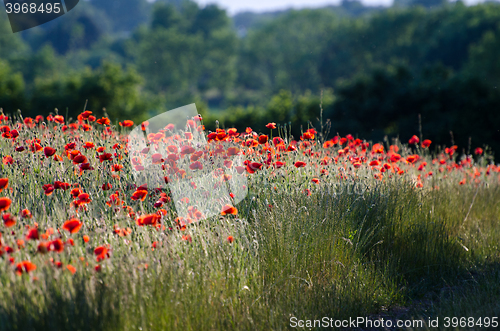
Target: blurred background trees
column 378, row 68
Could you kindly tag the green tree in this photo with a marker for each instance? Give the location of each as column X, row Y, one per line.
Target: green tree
column 165, row 16
column 125, row 15
column 284, row 53
column 483, row 58
column 187, row 53
column 210, row 19
column 388, row 101
column 11, row 44
column 43, row 63
column 80, row 29
column 108, row 87
column 12, row 86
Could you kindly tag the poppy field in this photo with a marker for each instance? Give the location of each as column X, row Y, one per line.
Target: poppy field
column 329, row 226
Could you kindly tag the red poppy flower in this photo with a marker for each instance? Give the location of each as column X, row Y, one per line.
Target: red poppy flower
column 395, row 157
column 307, row 135
column 8, row 220
column 25, row 267
column 106, row 186
column 150, row 219
column 72, row 226
column 32, row 234
column 228, row 209
column 187, row 150
column 88, row 145
column 102, row 252
column 450, row 150
column 86, row 114
column 412, row 158
column 300, row 164
column 86, row 238
column 84, row 198
column 121, row 232
column 80, row 158
column 75, row 192
column 7, row 159
column 85, row 166
column 5, row 203
column 48, row 188
column 255, row 165
column 271, row 125
column 49, row 151
column 231, row 151
column 426, row 143
column 25, row 213
column 61, row 185
column 20, row 243
column 478, row 151
column 56, row 245
column 104, row 121
column 230, row 239
column 58, row 119
column 116, row 167
column 157, row 158
column 126, row 123
column 139, row 195
column 413, row 140
column 43, row 247
column 196, row 165
column 240, row 169
column 232, row 132
column 71, row 269
column 328, row 144
column 378, row 148
column 4, row 182
column 105, row 157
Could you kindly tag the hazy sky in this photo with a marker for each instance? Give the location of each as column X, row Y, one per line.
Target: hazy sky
column 234, row 6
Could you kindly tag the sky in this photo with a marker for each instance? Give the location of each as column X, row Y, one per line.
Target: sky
column 235, row 6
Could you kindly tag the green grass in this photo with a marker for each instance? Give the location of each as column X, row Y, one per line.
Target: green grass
column 337, row 255
column 354, row 247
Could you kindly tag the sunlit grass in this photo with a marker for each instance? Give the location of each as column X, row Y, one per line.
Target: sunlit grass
column 354, row 245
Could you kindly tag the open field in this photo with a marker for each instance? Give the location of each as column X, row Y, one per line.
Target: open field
column 338, row 228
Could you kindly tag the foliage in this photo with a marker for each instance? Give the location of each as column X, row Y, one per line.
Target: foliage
column 11, row 88
column 109, row 87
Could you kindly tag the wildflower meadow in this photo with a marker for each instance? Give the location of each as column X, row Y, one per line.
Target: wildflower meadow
column 328, row 226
